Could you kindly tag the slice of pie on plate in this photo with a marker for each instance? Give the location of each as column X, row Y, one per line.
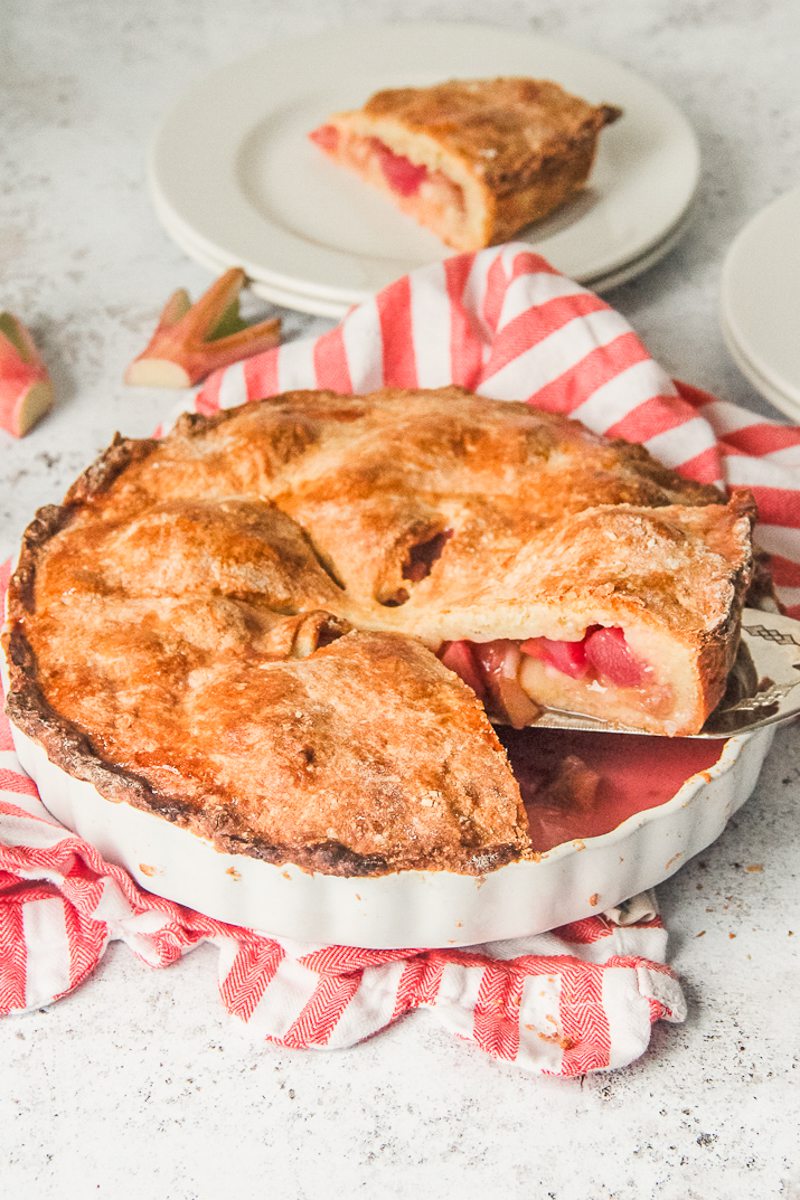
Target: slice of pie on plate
column 473, row 160
column 255, row 627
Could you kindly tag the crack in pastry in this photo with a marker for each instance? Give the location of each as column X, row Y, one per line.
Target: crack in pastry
column 473, row 160
column 286, row 627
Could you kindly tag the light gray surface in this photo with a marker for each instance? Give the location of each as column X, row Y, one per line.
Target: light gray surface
column 139, row 1084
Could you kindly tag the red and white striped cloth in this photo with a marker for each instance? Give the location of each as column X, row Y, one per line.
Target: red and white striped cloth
column 578, row 999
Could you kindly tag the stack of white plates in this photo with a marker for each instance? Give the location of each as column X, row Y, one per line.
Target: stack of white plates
column 235, row 180
column 760, row 302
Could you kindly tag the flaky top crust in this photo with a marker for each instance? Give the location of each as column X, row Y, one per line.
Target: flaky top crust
column 506, row 129
column 226, row 626
column 364, row 756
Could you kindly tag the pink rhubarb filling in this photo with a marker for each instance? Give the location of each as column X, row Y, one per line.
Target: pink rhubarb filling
column 491, row 669
column 580, row 785
column 402, row 176
column 602, row 653
column 326, row 137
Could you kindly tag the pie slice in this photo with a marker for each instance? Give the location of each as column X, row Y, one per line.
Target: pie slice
column 632, row 615
column 473, row 160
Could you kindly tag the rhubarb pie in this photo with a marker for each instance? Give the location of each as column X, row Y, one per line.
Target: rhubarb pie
column 290, row 627
column 473, row 160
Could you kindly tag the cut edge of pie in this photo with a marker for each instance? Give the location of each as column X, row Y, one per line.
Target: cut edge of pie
column 627, row 659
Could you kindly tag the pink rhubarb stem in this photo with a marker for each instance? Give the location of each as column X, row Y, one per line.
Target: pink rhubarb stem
column 192, row 340
column 26, row 391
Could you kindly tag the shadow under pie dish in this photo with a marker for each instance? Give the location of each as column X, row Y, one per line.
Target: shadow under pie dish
column 246, row 630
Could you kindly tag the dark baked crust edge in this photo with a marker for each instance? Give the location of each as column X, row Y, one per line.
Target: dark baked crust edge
column 70, row 749
column 532, row 196
column 52, row 518
column 96, row 479
column 718, row 648
column 569, row 154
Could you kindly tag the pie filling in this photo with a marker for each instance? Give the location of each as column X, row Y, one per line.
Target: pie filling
column 581, row 785
column 430, row 195
column 506, row 675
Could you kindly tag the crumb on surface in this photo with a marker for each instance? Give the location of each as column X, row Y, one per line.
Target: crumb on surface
column 558, row 1039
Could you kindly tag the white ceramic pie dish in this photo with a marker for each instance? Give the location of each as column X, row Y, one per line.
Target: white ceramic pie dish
column 414, row 908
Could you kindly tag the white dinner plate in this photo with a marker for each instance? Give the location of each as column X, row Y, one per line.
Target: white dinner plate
column 317, row 306
column 324, row 307
column 760, row 300
column 766, row 387
column 232, row 168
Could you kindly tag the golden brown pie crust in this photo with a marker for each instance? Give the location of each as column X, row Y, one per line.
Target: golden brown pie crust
column 221, row 627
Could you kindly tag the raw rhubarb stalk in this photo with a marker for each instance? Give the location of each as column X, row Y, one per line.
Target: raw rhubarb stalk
column 192, row 340
column 26, row 392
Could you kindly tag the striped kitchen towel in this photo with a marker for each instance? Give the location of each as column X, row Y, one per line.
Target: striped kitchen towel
column 580, row 998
